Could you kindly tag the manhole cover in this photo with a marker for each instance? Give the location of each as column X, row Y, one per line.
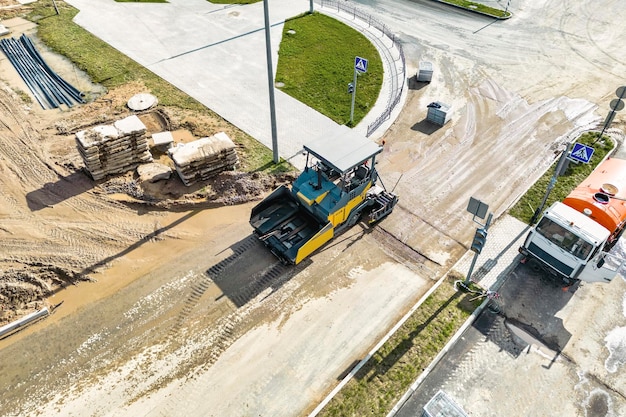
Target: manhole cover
column 142, row 101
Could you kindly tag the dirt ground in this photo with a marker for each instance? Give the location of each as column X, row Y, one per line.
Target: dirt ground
column 162, row 274
column 174, row 284
column 178, row 282
column 57, row 224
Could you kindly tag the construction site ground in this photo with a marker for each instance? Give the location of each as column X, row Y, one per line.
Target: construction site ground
column 171, row 307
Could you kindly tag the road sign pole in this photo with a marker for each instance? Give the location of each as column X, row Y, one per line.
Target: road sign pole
column 360, row 65
column 353, row 97
column 557, row 172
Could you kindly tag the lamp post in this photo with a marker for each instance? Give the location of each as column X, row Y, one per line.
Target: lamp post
column 270, row 82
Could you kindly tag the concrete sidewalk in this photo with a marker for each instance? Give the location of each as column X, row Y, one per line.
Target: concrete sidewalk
column 534, row 357
column 217, row 55
column 493, row 266
column 500, row 254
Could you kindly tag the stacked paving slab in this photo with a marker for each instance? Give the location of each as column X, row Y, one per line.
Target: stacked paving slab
column 114, row 149
column 204, row 158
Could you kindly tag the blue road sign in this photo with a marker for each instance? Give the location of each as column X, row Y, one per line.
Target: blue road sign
column 360, row 64
column 581, row 153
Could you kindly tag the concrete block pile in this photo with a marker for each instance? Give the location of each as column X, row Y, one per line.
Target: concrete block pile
column 114, row 149
column 204, row 158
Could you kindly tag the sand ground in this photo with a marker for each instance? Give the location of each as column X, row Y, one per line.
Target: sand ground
column 186, row 314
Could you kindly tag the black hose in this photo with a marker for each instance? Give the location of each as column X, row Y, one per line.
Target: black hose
column 50, row 90
column 44, row 78
column 7, row 47
column 29, row 73
column 67, row 87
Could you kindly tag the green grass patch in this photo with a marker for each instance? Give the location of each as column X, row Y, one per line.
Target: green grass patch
column 233, row 1
column 316, row 63
column 141, row 1
column 575, row 174
column 381, row 382
column 478, row 7
column 110, row 68
column 23, row 95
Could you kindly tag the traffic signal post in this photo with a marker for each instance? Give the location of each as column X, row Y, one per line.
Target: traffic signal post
column 478, row 242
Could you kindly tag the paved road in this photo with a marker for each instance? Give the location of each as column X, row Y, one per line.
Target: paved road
column 549, row 353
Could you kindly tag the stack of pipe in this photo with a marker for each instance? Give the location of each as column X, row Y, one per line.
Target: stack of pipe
column 114, row 149
column 48, row 87
column 204, row 158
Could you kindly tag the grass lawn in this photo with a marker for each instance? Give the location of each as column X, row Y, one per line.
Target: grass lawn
column 316, row 63
column 478, row 7
column 233, row 1
column 382, row 381
column 141, row 1
column 575, row 174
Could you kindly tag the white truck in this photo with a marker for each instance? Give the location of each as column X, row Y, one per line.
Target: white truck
column 573, row 239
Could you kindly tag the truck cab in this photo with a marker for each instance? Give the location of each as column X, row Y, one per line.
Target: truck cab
column 564, row 241
column 573, row 239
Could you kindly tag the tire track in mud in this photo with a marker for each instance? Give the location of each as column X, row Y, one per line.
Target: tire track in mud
column 85, row 247
column 93, row 203
column 219, row 272
column 266, row 280
column 403, row 253
column 20, row 147
column 231, row 325
column 77, row 245
column 89, row 241
column 590, row 26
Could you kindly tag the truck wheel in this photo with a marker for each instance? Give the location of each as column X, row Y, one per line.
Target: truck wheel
column 354, row 219
column 534, row 266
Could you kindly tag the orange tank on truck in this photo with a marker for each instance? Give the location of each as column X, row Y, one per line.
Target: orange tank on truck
column 573, row 238
column 602, row 196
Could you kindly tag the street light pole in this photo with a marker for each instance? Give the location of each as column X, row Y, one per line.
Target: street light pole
column 270, row 82
column 618, row 105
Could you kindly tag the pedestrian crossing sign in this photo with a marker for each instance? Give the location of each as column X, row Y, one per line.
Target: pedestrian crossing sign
column 581, row 153
column 360, row 64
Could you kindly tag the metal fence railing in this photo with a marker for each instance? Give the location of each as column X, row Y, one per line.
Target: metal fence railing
column 398, row 77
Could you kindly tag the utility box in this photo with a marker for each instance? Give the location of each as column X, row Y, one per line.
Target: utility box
column 441, row 405
column 425, row 72
column 438, row 113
